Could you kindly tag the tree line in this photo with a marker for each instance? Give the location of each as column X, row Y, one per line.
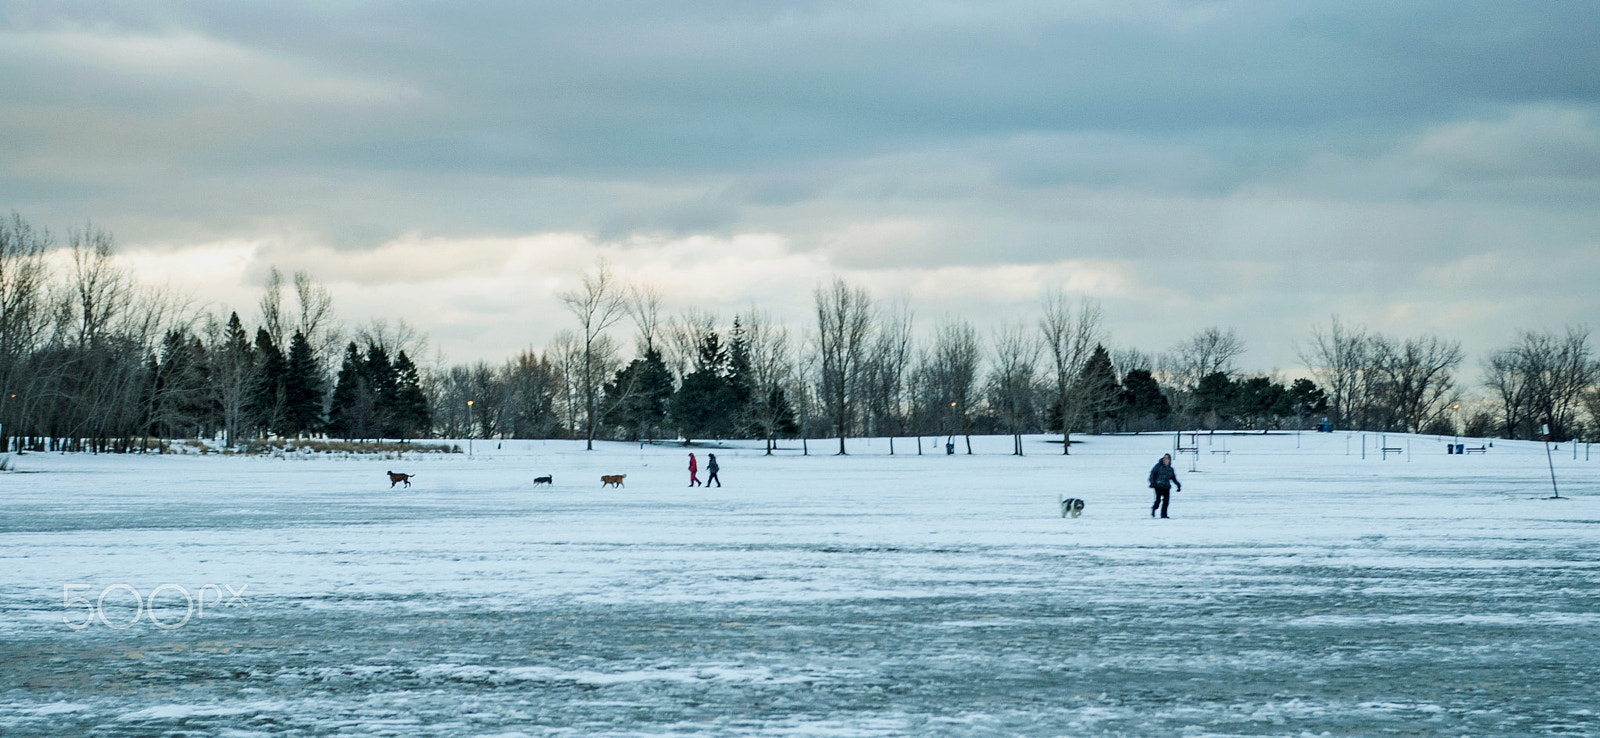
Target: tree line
column 92, row 360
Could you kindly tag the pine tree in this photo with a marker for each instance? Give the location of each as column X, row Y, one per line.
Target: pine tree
column 1306, row 398
column 701, row 407
column 412, row 417
column 1260, row 400
column 640, row 395
column 233, row 362
column 351, row 410
column 1098, row 383
column 302, row 388
column 265, row 395
column 739, row 379
column 1142, row 396
column 385, row 392
column 1214, row 396
column 705, row 403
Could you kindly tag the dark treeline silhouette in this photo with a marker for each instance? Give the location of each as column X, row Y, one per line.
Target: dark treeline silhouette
column 91, row 360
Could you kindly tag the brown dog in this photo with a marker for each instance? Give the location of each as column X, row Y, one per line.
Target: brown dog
column 395, row 479
column 613, row 480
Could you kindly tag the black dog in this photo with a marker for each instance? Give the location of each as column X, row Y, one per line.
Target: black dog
column 546, row 479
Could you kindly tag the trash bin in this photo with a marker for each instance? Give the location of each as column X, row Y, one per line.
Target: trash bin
column 1461, row 449
column 950, row 448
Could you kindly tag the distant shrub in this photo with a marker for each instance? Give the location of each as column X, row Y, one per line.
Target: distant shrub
column 387, row 449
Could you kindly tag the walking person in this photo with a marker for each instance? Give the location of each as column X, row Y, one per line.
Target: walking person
column 711, row 470
column 694, row 472
column 1162, row 479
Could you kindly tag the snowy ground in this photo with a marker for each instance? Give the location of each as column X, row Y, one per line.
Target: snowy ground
column 1296, row 590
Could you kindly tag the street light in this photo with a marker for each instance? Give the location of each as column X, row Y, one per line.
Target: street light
column 1457, row 407
column 469, row 429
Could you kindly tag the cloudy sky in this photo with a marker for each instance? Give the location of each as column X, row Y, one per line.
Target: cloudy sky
column 1412, row 166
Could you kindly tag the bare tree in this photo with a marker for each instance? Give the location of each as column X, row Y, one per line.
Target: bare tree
column 1127, row 359
column 100, row 290
column 643, row 304
column 567, row 351
column 1591, row 404
column 1012, row 383
column 1562, row 377
column 1340, row 358
column 844, row 333
column 316, row 316
column 771, row 366
column 24, row 309
column 888, row 369
column 1503, row 374
column 532, row 383
column 272, row 307
column 802, row 392
column 1416, row 379
column 952, row 373
column 1542, row 379
column 683, row 336
column 597, row 305
column 1070, row 334
column 393, row 338
column 1207, row 352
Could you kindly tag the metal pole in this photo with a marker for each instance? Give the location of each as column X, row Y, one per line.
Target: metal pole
column 469, row 429
column 1555, row 490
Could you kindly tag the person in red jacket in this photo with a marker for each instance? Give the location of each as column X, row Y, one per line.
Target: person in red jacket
column 694, row 472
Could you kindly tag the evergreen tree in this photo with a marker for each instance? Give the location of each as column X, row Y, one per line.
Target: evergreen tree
column 1098, row 383
column 1259, row 400
column 739, row 379
column 1142, row 396
column 705, row 405
column 265, row 394
column 1214, row 395
column 381, row 380
column 232, row 365
column 177, row 390
column 412, row 417
column 641, row 394
column 710, row 355
column 302, row 388
column 350, row 414
column 1305, row 398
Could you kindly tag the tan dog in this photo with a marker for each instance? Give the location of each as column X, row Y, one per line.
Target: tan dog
column 395, row 479
column 612, row 480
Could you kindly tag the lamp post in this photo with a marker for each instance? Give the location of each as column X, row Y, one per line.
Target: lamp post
column 1457, row 407
column 469, row 429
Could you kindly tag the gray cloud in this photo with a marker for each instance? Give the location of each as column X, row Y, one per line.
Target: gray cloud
column 1281, row 144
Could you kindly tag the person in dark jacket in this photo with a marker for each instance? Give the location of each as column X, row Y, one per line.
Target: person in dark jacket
column 711, row 470
column 1162, row 478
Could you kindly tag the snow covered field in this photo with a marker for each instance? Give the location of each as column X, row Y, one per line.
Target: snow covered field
column 1296, row 591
